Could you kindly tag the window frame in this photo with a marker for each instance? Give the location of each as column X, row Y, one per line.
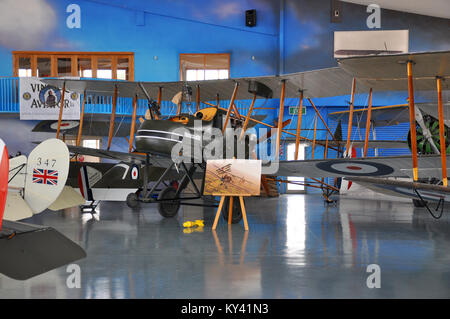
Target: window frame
column 54, row 55
column 181, row 76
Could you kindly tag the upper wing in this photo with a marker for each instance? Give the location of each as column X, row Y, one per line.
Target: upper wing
column 381, row 73
column 400, row 166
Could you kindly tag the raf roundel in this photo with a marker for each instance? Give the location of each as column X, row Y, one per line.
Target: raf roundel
column 355, row 168
column 134, row 172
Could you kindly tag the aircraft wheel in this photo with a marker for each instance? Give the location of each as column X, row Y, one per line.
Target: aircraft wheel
column 132, row 200
column 170, row 208
column 418, row 203
column 236, row 214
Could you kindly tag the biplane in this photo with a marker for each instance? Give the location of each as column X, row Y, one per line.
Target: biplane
column 28, row 186
column 156, row 137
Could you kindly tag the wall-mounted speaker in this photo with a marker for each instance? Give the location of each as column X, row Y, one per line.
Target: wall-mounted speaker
column 250, row 18
column 336, row 11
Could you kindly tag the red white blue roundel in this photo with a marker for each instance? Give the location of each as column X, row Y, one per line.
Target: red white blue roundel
column 65, row 125
column 134, row 173
column 355, row 168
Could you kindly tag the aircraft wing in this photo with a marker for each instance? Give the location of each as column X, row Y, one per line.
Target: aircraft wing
column 399, row 166
column 29, row 250
column 381, row 116
column 371, row 144
column 91, row 128
column 381, row 73
column 119, row 156
column 404, row 188
column 432, row 109
column 388, row 72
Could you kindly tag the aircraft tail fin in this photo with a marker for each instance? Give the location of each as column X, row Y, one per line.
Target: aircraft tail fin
column 47, row 171
column 25, row 250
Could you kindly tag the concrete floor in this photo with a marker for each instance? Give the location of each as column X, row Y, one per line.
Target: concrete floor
column 297, row 247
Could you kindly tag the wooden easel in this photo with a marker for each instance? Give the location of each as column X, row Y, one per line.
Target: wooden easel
column 230, row 211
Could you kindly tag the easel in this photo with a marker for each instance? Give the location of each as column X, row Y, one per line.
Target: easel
column 230, row 211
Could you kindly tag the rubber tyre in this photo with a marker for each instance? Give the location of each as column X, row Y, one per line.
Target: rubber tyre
column 132, row 200
column 168, row 209
column 418, row 203
column 236, row 215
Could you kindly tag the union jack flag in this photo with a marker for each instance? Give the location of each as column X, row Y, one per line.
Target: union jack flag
column 45, row 176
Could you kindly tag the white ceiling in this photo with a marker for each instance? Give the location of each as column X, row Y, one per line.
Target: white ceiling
column 435, row 8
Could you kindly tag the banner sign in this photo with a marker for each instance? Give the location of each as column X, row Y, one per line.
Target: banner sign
column 39, row 101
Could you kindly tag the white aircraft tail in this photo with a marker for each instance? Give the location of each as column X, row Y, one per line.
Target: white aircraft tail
column 46, row 174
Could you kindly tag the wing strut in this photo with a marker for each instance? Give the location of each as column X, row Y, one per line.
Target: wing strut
column 198, row 98
column 412, row 119
column 80, row 128
column 61, row 108
column 249, row 114
column 280, row 118
column 233, row 97
column 441, row 131
column 299, row 124
column 350, row 118
column 133, row 124
column 314, row 137
column 369, row 115
column 113, row 116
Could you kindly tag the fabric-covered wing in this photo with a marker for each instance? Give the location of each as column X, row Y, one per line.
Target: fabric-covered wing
column 388, row 72
column 399, row 166
column 29, row 250
column 92, row 128
column 432, row 109
column 404, row 188
column 371, row 144
column 381, row 73
column 119, row 156
column 381, row 116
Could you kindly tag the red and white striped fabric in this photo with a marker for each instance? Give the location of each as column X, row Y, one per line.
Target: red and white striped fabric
column 4, row 171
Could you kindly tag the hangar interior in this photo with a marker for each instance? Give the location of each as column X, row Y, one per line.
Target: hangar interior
column 307, row 237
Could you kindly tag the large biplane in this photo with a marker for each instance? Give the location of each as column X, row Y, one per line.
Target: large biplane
column 153, row 141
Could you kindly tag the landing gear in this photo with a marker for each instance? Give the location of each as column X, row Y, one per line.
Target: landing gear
column 132, row 200
column 236, row 214
column 168, row 208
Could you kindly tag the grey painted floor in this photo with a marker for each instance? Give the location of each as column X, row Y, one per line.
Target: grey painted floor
column 296, row 248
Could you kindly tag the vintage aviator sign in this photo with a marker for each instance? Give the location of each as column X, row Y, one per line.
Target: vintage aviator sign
column 39, row 101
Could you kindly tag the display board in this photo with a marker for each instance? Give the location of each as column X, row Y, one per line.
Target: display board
column 233, row 177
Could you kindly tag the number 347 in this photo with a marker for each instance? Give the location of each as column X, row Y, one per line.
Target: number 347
column 47, row 162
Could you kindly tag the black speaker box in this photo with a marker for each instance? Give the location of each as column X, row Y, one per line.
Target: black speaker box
column 250, row 18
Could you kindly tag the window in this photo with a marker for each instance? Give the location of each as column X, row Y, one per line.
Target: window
column 44, row 67
column 91, row 142
column 104, row 65
column 210, row 66
column 24, row 66
column 295, row 188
